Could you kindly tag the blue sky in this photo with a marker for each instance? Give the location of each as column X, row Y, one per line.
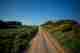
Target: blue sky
column 39, row 11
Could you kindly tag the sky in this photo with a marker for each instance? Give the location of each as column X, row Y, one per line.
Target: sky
column 35, row 12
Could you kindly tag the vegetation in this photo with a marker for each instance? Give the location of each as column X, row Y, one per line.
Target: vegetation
column 65, row 31
column 13, row 40
column 9, row 24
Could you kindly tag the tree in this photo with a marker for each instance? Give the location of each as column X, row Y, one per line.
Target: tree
column 68, row 24
column 47, row 23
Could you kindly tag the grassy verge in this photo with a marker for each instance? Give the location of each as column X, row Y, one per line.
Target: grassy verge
column 12, row 40
column 66, row 32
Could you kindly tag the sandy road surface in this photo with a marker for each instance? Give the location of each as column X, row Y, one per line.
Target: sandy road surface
column 43, row 43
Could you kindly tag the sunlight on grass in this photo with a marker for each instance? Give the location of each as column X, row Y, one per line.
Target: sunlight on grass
column 66, row 32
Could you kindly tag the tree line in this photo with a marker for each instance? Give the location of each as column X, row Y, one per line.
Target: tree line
column 9, row 24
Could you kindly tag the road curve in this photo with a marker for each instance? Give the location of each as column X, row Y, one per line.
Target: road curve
column 43, row 43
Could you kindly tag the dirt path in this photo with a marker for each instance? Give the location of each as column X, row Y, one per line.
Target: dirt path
column 43, row 43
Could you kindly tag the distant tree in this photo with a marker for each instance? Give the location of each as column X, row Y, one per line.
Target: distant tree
column 47, row 23
column 68, row 24
column 18, row 23
column 2, row 24
column 1, row 21
column 9, row 24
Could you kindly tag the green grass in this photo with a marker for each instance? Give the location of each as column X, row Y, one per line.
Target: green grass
column 14, row 39
column 68, row 39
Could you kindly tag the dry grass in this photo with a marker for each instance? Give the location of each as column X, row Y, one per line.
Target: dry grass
column 70, row 38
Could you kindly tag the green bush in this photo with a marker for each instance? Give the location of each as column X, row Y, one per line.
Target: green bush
column 12, row 40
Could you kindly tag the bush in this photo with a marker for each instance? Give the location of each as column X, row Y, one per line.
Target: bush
column 14, row 40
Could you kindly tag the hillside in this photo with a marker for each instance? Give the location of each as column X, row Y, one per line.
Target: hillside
column 67, row 32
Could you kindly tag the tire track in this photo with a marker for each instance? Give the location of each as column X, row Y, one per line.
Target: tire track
column 42, row 43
